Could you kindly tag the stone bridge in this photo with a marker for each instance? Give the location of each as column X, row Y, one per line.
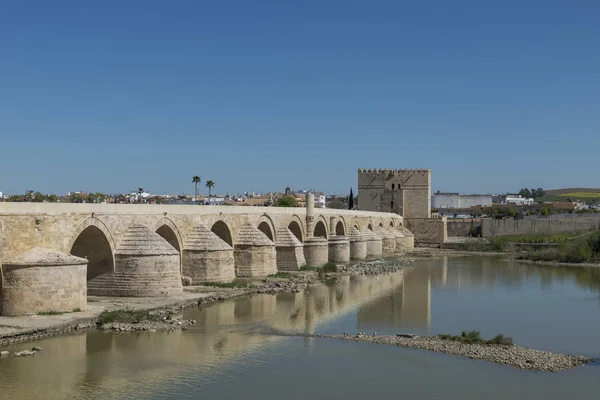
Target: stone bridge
column 146, row 250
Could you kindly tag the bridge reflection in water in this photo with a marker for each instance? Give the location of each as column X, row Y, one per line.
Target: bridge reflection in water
column 135, row 363
column 235, row 334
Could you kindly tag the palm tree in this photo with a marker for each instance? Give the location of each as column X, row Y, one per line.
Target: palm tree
column 196, row 180
column 209, row 185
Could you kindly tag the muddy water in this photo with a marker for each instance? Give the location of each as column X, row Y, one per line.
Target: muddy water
column 231, row 354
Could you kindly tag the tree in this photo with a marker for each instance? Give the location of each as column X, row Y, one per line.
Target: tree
column 546, row 211
column 350, row 200
column 196, row 181
column 525, row 193
column 209, row 185
column 286, row 201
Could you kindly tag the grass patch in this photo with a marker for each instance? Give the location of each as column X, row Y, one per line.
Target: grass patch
column 236, row 283
column 282, row 275
column 494, row 244
column 50, row 313
column 474, row 337
column 127, row 316
column 329, row 267
column 585, row 248
column 76, row 309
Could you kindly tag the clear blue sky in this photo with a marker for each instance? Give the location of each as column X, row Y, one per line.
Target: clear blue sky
column 115, row 95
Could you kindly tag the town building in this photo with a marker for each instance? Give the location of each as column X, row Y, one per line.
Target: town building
column 454, row 200
column 513, row 199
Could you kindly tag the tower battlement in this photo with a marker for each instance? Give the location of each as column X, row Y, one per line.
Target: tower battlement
column 404, row 191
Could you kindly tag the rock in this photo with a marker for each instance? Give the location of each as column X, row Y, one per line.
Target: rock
column 186, row 281
column 4, row 353
column 24, row 353
column 406, row 335
column 36, row 348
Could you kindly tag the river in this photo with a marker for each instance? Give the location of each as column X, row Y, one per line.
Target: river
column 231, row 353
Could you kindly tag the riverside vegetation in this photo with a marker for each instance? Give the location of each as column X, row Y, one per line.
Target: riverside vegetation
column 565, row 247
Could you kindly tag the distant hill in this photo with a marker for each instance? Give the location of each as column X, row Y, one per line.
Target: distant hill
column 573, row 194
column 561, row 192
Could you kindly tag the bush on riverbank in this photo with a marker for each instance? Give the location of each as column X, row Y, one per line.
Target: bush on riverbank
column 329, row 267
column 236, row 283
column 474, row 337
column 583, row 249
column 127, row 316
column 496, row 244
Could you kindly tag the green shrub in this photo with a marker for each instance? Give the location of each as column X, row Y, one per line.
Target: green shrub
column 329, row 267
column 282, row 275
column 50, row 313
column 127, row 316
column 474, row 337
column 307, row 268
column 236, row 283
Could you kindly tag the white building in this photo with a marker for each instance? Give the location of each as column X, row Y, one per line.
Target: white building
column 455, row 200
column 514, row 199
column 214, row 201
column 320, row 201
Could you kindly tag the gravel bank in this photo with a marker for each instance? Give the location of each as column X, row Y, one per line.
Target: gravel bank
column 511, row 355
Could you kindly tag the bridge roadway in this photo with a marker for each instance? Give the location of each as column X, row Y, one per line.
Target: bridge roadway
column 144, row 250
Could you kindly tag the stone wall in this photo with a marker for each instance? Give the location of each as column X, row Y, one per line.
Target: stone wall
column 506, row 227
column 405, row 192
column 428, row 231
column 463, row 227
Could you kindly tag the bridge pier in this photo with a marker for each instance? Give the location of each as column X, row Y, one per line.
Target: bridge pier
column 388, row 242
column 404, row 239
column 207, row 258
column 146, row 265
column 254, row 254
column 374, row 243
column 358, row 245
column 316, row 251
column 290, row 251
column 43, row 280
column 339, row 246
column 408, row 242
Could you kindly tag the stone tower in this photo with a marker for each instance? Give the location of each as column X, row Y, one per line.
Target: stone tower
column 406, row 192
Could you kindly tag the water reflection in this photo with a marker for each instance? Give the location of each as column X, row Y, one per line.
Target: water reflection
column 100, row 364
column 539, row 305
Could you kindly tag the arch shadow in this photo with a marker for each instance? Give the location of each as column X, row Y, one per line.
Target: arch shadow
column 167, row 229
column 266, row 226
column 320, row 229
column 221, row 229
column 92, row 243
column 340, row 229
column 296, row 229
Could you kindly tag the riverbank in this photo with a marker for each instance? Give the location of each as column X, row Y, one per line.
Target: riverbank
column 34, row 327
column 514, row 356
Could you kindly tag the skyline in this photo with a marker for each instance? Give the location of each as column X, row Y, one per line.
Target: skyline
column 489, row 97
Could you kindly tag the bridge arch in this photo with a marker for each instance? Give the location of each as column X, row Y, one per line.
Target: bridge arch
column 167, row 229
column 221, row 229
column 321, row 229
column 296, row 229
column 266, row 226
column 340, row 229
column 94, row 241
